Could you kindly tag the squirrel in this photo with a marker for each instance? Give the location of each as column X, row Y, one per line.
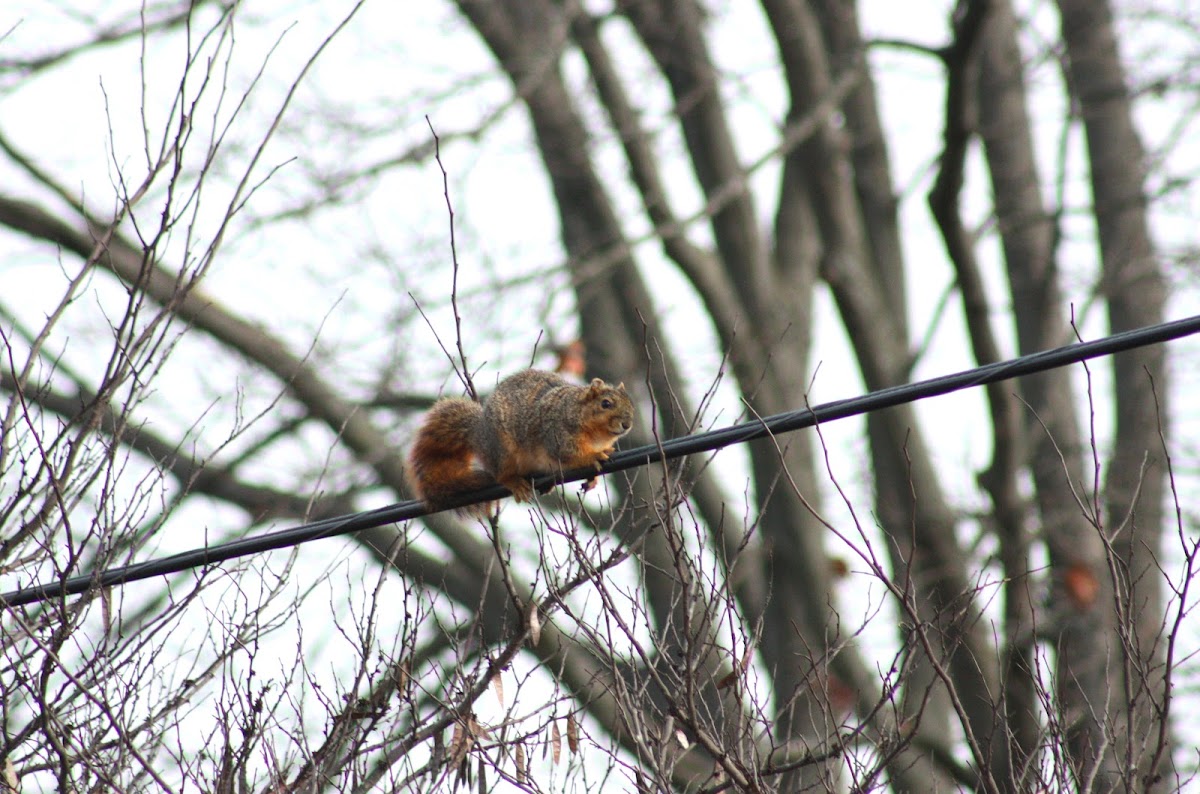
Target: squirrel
column 535, row 422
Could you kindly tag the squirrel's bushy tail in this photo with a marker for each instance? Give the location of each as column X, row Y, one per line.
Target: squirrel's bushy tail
column 442, row 462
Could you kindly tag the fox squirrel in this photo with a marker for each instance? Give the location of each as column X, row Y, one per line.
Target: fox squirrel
column 534, row 423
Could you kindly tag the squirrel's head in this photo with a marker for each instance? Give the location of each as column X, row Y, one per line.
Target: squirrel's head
column 613, row 402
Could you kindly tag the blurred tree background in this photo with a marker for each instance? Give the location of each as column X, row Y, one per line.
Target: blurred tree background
column 244, row 245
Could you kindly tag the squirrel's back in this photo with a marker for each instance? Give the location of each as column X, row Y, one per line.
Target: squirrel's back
column 538, row 423
column 535, row 422
column 530, row 406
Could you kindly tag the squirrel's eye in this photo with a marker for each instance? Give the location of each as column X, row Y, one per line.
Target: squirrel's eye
column 606, row 403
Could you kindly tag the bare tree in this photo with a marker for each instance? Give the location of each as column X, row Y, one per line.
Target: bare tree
column 691, row 628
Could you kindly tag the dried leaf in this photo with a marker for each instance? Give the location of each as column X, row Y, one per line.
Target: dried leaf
column 439, row 750
column 456, row 742
column 465, row 731
column 742, row 665
column 555, row 742
column 464, row 775
column 520, row 759
column 11, row 785
column 106, row 609
column 1081, row 585
column 402, row 673
column 498, row 687
column 682, row 739
column 535, row 626
column 841, row 697
column 571, row 359
column 572, row 734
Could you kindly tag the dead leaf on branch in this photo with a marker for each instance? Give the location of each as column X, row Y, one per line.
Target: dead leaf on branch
column 572, row 734
column 498, row 687
column 1081, row 585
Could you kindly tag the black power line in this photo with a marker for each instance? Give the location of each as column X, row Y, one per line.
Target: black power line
column 673, row 448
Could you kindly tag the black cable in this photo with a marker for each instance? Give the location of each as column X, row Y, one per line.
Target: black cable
column 674, row 448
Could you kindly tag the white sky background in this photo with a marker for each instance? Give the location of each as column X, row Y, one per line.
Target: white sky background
column 346, row 272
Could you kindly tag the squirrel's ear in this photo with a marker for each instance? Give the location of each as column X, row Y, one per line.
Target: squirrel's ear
column 621, row 386
column 597, row 384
